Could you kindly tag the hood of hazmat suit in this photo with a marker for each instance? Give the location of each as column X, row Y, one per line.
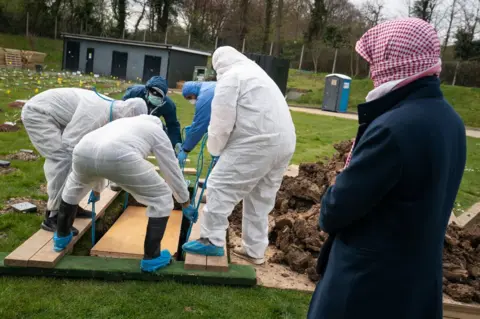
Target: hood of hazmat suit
column 203, row 92
column 157, row 82
column 248, row 109
column 118, row 150
column 94, row 112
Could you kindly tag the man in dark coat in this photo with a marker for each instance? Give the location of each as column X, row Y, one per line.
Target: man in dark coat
column 388, row 211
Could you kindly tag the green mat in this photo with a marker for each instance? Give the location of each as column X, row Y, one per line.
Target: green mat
column 115, row 269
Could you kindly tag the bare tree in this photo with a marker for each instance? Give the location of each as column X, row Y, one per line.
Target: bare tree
column 453, row 10
column 267, row 25
column 143, row 4
column 372, row 10
column 278, row 28
column 424, row 9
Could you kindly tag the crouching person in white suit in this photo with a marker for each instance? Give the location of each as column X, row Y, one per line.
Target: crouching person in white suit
column 118, row 152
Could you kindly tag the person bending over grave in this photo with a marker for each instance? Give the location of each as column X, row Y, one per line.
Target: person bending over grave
column 252, row 131
column 154, row 93
column 199, row 94
column 118, row 153
column 55, row 121
column 387, row 213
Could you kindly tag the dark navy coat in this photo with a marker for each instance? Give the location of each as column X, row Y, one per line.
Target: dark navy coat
column 390, row 207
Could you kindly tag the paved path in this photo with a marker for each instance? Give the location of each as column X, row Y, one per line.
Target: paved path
column 470, row 132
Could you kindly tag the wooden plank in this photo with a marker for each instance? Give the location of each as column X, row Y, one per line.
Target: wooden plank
column 186, row 171
column 470, row 217
column 457, row 310
column 192, row 261
column 46, row 257
column 126, row 237
column 152, row 157
column 20, row 256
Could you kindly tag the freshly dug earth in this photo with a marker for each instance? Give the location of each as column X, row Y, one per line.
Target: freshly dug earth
column 8, row 128
column 22, row 156
column 461, row 263
column 16, row 104
column 295, row 230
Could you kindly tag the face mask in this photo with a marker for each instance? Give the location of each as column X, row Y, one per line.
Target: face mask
column 155, row 100
column 193, row 102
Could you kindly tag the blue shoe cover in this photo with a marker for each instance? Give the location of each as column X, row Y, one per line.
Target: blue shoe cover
column 203, row 247
column 151, row 265
column 60, row 243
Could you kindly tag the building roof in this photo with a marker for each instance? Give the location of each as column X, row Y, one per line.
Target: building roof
column 134, row 43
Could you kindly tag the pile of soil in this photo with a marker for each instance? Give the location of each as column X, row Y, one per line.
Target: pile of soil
column 7, row 170
column 16, row 104
column 8, row 128
column 461, row 263
column 294, row 229
column 22, row 156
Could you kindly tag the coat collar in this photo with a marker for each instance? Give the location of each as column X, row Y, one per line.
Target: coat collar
column 427, row 87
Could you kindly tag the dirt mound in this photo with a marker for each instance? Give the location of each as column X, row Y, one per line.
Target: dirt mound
column 7, row 170
column 461, row 263
column 16, row 104
column 22, row 156
column 8, row 128
column 295, row 230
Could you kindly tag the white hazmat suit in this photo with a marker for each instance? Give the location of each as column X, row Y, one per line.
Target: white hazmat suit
column 57, row 119
column 252, row 131
column 117, row 152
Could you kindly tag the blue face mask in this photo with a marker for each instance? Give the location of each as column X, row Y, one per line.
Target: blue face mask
column 155, row 100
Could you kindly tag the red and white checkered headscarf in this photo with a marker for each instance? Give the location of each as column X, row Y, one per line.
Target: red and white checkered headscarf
column 400, row 49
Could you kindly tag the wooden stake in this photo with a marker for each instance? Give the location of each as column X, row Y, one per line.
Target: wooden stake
column 301, row 57
column 28, row 14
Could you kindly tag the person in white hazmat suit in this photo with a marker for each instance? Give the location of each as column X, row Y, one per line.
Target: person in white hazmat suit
column 252, row 131
column 118, row 152
column 55, row 121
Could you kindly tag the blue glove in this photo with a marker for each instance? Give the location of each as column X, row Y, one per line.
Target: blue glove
column 191, row 213
column 182, row 157
column 92, row 198
column 178, row 148
column 215, row 160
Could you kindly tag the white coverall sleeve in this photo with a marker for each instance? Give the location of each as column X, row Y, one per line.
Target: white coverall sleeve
column 224, row 113
column 169, row 168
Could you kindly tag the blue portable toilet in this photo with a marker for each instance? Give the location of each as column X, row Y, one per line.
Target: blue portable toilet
column 336, row 93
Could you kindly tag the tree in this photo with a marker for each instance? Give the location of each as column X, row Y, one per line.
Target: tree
column 450, row 23
column 143, row 4
column 278, row 28
column 372, row 10
column 267, row 25
column 424, row 9
column 119, row 8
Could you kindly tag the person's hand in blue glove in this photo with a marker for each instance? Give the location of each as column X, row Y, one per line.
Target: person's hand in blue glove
column 182, row 157
column 178, row 148
column 191, row 213
column 94, row 197
column 215, row 160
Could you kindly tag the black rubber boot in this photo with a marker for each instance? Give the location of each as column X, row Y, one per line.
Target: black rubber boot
column 50, row 224
column 83, row 213
column 155, row 231
column 66, row 216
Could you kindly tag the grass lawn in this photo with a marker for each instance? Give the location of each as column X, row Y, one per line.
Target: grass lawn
column 463, row 99
column 47, row 298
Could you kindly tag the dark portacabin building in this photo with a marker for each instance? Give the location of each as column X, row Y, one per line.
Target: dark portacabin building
column 130, row 60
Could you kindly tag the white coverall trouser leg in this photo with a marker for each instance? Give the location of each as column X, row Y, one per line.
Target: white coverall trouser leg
column 46, row 136
column 134, row 174
column 254, row 177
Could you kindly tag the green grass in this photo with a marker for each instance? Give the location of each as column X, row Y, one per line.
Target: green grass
column 49, row 298
column 53, row 48
column 463, row 99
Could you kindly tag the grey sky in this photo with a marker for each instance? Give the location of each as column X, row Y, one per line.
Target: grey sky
column 393, row 8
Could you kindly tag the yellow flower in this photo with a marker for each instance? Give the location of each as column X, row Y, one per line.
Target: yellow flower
column 81, row 83
column 36, row 91
column 118, row 83
column 8, row 91
column 38, row 82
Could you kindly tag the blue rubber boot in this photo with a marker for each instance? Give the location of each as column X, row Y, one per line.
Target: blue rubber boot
column 204, row 247
column 60, row 243
column 151, row 265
